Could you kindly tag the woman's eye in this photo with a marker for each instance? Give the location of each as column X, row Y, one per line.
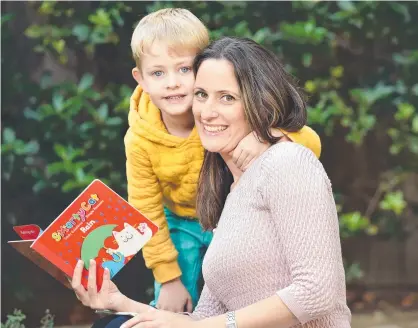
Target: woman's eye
column 157, row 73
column 228, row 98
column 200, row 94
column 185, row 69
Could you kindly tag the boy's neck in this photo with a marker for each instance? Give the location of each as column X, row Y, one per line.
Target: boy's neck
column 179, row 125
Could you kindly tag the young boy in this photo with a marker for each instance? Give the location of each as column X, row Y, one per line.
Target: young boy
column 164, row 153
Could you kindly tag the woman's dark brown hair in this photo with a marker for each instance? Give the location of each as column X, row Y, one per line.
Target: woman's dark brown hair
column 270, row 98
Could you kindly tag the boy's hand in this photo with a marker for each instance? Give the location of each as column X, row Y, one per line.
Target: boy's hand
column 248, row 150
column 174, row 297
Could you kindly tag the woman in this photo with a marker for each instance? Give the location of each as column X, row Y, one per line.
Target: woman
column 275, row 259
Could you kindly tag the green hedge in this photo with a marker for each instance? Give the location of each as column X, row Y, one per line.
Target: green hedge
column 358, row 61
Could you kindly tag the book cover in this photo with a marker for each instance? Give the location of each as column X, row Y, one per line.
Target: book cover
column 99, row 225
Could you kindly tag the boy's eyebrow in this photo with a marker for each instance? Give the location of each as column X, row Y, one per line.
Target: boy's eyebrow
column 156, row 66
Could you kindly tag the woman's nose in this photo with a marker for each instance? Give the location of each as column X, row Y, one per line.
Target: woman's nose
column 208, row 112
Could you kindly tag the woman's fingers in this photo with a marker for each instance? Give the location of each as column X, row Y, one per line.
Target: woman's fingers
column 91, row 283
column 146, row 317
column 76, row 283
column 104, row 290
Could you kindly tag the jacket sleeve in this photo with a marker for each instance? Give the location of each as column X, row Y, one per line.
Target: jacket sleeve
column 306, row 137
column 144, row 193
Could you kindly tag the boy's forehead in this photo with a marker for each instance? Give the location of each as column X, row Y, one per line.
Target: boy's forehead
column 162, row 50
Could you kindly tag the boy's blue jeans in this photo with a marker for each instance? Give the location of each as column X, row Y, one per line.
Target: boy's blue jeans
column 191, row 243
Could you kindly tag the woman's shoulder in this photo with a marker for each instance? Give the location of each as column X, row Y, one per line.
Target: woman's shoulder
column 291, row 159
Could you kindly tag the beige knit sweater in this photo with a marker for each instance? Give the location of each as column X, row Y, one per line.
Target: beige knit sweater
column 278, row 234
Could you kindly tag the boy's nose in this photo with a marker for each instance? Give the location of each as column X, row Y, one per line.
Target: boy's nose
column 173, row 82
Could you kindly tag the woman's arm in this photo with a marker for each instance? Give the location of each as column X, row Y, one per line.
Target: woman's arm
column 268, row 313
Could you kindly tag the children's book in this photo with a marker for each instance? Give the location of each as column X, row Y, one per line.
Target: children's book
column 98, row 224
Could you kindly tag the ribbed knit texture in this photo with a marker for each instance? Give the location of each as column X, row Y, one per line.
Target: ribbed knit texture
column 279, row 234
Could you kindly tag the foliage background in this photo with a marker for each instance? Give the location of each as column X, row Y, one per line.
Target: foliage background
column 66, row 84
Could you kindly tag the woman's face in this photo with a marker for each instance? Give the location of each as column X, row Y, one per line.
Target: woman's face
column 218, row 108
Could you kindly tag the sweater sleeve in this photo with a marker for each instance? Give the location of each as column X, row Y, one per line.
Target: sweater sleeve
column 208, row 306
column 144, row 193
column 298, row 194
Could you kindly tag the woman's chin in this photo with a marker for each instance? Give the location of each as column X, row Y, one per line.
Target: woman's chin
column 212, row 147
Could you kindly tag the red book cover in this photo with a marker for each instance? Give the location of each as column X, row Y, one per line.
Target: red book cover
column 99, row 225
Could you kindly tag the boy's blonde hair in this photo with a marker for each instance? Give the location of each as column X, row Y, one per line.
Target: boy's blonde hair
column 177, row 27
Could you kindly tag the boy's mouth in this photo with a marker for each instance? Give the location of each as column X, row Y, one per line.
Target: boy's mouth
column 175, row 97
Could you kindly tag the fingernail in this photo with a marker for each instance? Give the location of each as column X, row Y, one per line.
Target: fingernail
column 123, row 326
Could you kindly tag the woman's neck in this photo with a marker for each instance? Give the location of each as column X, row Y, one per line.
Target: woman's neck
column 236, row 172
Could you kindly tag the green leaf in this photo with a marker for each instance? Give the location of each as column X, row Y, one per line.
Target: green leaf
column 346, row 5
column 6, row 18
column 396, row 148
column 81, row 31
column 401, row 9
column 34, row 31
column 103, row 112
column 261, row 35
column 58, row 102
column 393, row 201
column 307, row 59
column 414, row 89
column 31, row 114
column 415, row 124
column 405, row 111
column 60, row 150
column 55, row 168
column 32, row 147
column 85, row 82
column 9, row 135
column 114, row 121
column 46, row 81
column 39, row 186
column 70, row 185
column 79, row 174
column 59, row 45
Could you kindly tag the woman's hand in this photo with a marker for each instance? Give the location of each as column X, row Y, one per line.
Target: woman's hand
column 160, row 319
column 109, row 297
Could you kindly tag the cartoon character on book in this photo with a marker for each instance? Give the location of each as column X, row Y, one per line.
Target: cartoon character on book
column 129, row 240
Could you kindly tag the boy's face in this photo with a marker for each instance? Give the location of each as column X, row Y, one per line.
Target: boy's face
column 167, row 76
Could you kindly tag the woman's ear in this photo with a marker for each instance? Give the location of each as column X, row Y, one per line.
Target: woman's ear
column 137, row 75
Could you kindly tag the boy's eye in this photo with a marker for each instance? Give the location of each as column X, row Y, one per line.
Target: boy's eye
column 228, row 98
column 157, row 73
column 185, row 69
column 200, row 94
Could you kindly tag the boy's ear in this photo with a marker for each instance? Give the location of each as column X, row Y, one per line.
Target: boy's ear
column 137, row 75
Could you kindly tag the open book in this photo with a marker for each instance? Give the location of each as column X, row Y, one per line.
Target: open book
column 98, row 224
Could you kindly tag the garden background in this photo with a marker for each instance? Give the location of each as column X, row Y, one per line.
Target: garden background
column 66, row 83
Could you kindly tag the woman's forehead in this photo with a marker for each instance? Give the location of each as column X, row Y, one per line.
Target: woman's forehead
column 215, row 75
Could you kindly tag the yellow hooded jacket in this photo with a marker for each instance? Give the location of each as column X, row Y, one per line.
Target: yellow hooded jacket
column 163, row 170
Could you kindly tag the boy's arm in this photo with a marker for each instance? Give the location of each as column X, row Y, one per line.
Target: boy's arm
column 251, row 147
column 144, row 194
column 306, row 137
